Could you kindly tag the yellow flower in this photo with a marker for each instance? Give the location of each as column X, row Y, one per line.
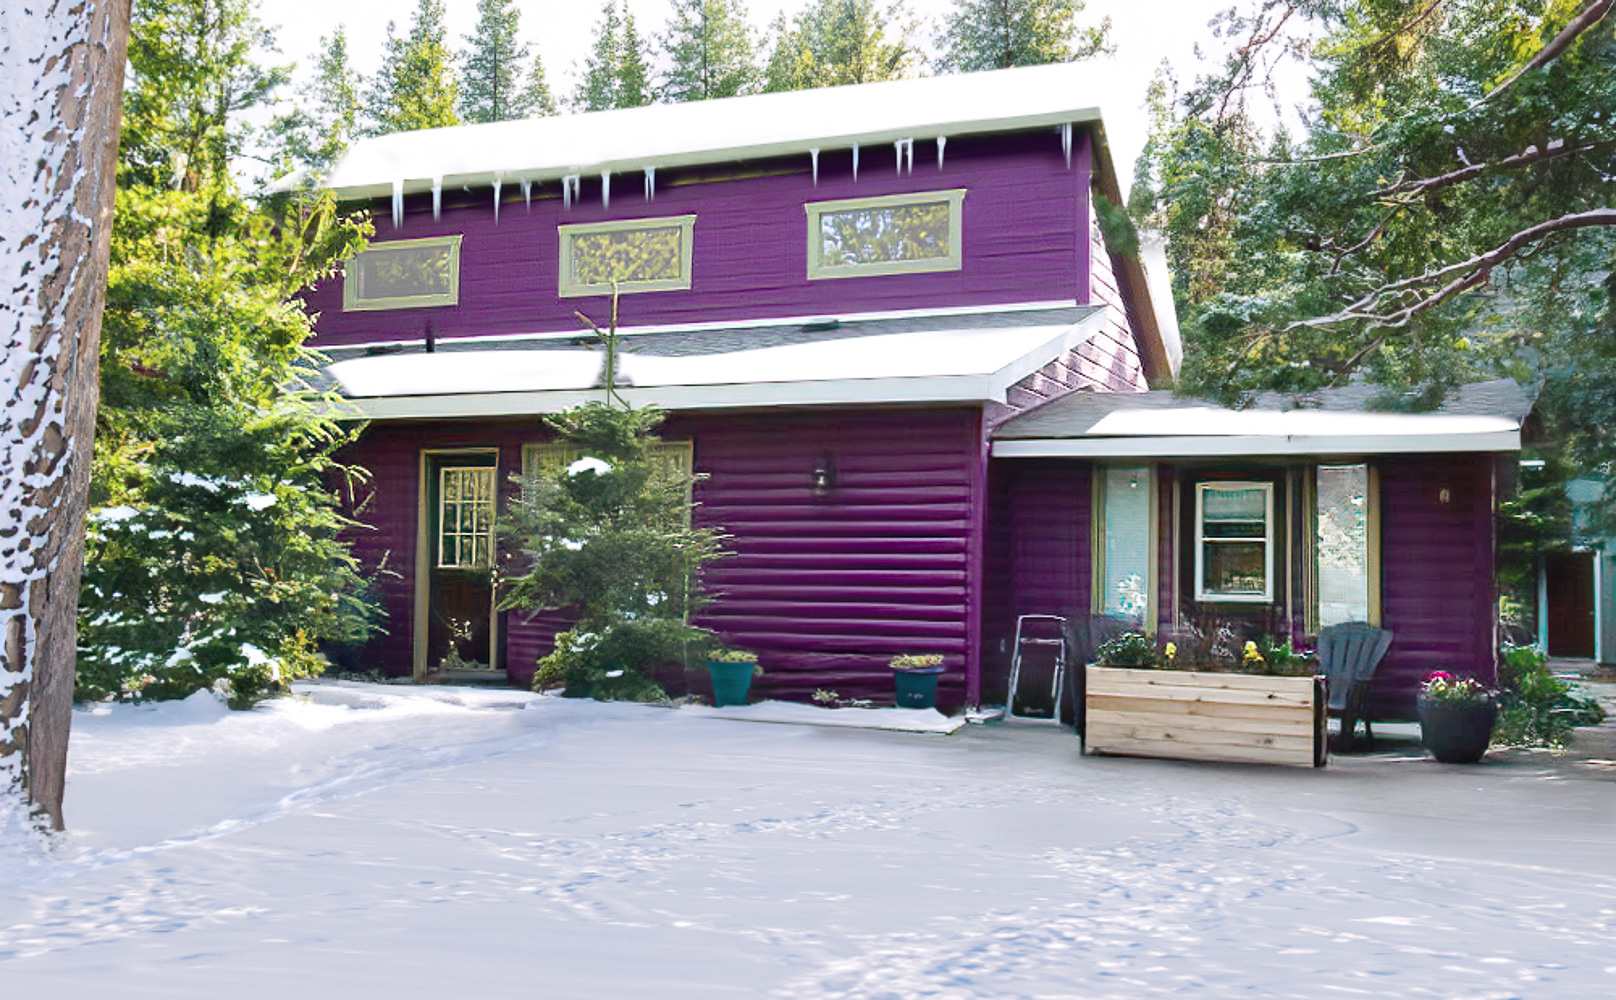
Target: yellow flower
column 1251, row 646
column 1171, row 650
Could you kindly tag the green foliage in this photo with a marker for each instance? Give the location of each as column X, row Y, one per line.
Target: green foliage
column 633, row 75
column 1280, row 658
column 1536, row 708
column 325, row 118
column 1360, row 245
column 1117, row 229
column 491, row 67
column 214, row 550
column 732, row 656
column 836, row 42
column 615, row 72
column 915, row 661
column 709, row 50
column 1130, row 649
column 1451, row 689
column 537, row 98
column 415, row 87
column 998, row 34
column 609, row 538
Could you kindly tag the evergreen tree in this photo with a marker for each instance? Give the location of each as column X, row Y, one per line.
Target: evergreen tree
column 709, row 51
column 597, row 85
column 835, row 42
column 490, row 78
column 536, row 96
column 326, row 117
column 633, row 74
column 214, row 554
column 415, row 87
column 998, row 34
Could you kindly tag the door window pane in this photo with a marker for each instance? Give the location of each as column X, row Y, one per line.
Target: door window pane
column 465, row 517
column 1125, row 573
column 1343, row 543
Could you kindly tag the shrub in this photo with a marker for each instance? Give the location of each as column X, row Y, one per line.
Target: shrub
column 1536, row 708
column 1130, row 649
column 613, row 665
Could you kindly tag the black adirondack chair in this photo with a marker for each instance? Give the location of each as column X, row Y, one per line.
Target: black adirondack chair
column 1349, row 654
column 1084, row 635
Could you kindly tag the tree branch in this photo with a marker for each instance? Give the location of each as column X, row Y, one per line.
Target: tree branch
column 1531, row 154
column 1590, row 16
column 1464, row 275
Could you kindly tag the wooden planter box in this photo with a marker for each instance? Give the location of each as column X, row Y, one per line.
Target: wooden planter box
column 1191, row 715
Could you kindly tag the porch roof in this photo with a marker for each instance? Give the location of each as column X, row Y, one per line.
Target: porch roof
column 1481, row 416
column 969, row 356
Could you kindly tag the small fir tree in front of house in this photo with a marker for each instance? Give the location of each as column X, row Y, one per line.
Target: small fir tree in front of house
column 602, row 527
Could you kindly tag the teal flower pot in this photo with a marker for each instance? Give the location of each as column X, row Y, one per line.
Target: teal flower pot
column 732, row 682
column 917, row 688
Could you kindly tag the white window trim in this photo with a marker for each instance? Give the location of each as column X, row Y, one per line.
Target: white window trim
column 351, row 302
column 568, row 288
column 444, row 472
column 1201, row 593
column 955, row 197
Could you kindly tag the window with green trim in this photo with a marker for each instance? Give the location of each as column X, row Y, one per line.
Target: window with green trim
column 640, row 255
column 891, row 234
column 403, row 274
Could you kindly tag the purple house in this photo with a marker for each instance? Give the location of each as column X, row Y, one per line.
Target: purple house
column 886, row 327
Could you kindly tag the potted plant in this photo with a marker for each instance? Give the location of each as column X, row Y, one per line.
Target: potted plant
column 915, row 677
column 732, row 671
column 1456, row 717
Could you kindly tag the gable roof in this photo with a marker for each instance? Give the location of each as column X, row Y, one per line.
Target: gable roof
column 1481, row 416
column 717, row 131
column 946, row 358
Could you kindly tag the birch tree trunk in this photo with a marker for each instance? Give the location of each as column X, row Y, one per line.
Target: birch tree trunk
column 61, row 87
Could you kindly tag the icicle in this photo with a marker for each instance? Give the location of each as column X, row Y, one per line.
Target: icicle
column 650, row 183
column 605, row 189
column 499, row 182
column 527, row 193
column 437, row 198
column 569, row 190
column 1066, row 143
column 813, row 157
column 899, row 149
column 855, row 161
column 942, row 141
column 398, row 203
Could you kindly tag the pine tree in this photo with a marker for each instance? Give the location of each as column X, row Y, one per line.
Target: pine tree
column 709, row 50
column 536, row 96
column 214, row 554
column 998, row 34
column 597, row 85
column 415, row 87
column 326, row 117
column 490, row 78
column 836, row 42
column 633, row 75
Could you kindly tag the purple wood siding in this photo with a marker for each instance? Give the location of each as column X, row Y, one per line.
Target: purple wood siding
column 826, row 589
column 1437, row 562
column 1020, row 230
column 1039, row 559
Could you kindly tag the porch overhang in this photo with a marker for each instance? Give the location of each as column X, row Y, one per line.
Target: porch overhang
column 1482, row 417
column 951, row 360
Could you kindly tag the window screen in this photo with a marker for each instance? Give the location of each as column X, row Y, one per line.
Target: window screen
column 1342, row 543
column 1125, row 573
column 404, row 274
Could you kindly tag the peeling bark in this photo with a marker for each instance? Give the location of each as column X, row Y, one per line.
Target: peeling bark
column 61, row 86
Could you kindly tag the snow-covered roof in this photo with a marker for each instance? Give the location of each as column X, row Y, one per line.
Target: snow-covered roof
column 735, row 128
column 949, row 358
column 1482, row 416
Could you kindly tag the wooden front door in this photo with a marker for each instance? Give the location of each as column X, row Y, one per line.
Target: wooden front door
column 1570, row 592
column 461, row 491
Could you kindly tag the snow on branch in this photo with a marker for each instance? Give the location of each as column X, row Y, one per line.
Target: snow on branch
column 1396, row 303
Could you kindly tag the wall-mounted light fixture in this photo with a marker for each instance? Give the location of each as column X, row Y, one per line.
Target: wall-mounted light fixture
column 824, row 476
column 1444, row 495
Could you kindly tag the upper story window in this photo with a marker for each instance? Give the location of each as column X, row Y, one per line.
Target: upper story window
column 640, row 255
column 404, row 274
column 1234, row 542
column 891, row 234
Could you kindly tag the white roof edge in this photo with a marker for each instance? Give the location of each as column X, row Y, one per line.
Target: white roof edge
column 1257, row 445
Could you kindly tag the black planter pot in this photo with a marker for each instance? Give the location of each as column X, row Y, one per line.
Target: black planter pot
column 1457, row 733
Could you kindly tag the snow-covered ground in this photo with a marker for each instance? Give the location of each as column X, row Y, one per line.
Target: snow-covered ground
column 403, row 842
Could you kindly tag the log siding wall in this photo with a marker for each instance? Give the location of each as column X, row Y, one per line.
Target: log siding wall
column 1025, row 215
